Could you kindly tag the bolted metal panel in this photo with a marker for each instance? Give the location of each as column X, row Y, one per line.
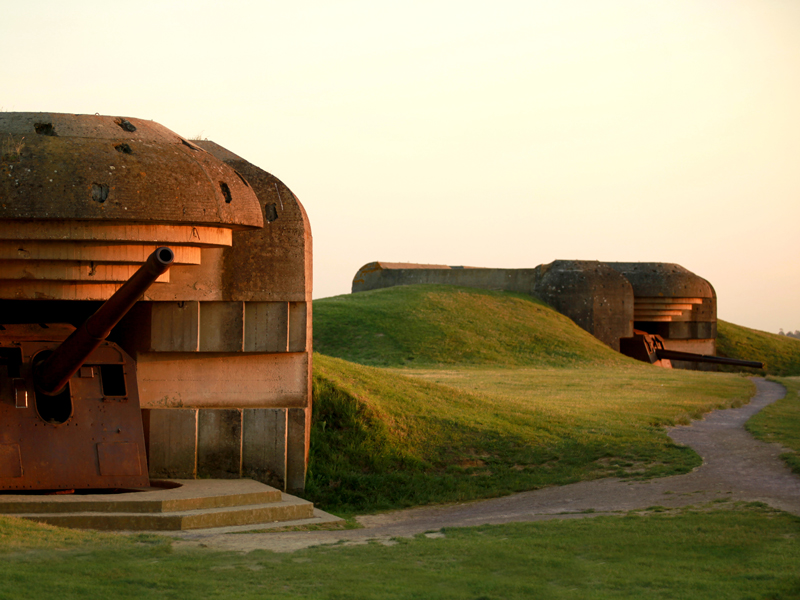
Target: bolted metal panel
column 74, row 441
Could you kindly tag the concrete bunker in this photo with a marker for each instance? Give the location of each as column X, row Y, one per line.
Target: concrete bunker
column 610, row 300
column 221, row 343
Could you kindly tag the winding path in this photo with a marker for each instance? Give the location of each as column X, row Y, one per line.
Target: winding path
column 735, row 466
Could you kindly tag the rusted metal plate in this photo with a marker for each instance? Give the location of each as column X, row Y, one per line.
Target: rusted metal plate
column 10, row 464
column 100, row 444
column 117, row 459
column 111, row 168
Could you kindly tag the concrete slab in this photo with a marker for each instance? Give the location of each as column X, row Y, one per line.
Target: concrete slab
column 163, row 496
column 196, row 504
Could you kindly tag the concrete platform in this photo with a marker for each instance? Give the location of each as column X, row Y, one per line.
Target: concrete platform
column 174, row 505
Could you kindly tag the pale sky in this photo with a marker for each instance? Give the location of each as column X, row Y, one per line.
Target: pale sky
column 491, row 134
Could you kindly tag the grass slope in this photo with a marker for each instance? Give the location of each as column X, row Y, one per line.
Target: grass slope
column 779, row 353
column 385, row 439
column 434, row 324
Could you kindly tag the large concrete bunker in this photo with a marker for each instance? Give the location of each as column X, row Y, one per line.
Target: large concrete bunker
column 220, row 343
column 610, row 300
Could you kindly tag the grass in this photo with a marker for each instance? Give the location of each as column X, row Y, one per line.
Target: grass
column 11, row 148
column 780, row 353
column 385, row 439
column 482, row 394
column 721, row 552
column 780, row 422
column 445, row 325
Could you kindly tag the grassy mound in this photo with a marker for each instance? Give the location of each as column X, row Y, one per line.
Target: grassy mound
column 385, row 439
column 434, row 324
column 779, row 353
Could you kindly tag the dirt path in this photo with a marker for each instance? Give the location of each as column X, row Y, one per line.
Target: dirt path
column 735, row 466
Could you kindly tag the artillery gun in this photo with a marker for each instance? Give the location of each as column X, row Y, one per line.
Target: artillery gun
column 69, row 401
column 649, row 347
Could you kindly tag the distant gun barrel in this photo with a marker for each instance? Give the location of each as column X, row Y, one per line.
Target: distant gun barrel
column 53, row 373
column 705, row 358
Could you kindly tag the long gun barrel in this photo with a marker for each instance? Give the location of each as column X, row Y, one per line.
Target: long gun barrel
column 53, row 373
column 720, row 360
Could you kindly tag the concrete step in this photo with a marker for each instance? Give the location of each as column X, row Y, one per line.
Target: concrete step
column 193, row 504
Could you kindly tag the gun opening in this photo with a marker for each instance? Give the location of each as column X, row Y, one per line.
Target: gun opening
column 53, row 409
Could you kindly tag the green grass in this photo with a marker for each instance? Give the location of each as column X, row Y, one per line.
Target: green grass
column 746, row 551
column 482, row 394
column 780, row 422
column 17, row 535
column 434, row 324
column 779, row 353
column 386, row 439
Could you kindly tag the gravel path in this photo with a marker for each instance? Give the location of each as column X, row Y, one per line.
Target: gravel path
column 735, row 467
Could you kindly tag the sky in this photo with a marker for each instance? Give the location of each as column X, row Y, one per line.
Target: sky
column 490, row 134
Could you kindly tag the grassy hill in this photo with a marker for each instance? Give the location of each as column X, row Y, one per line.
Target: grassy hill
column 385, row 439
column 433, row 324
column 480, row 394
column 779, row 353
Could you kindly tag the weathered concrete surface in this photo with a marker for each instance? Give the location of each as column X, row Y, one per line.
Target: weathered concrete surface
column 219, row 380
column 191, row 505
column 274, row 263
column 219, row 443
column 171, row 439
column 735, row 467
column 596, row 297
column 92, row 167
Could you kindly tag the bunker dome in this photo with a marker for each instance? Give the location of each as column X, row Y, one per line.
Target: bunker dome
column 220, row 354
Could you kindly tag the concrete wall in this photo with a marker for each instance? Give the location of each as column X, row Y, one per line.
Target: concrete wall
column 224, row 349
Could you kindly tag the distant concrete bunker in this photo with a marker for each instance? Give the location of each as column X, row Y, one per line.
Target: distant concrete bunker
column 607, row 299
column 221, row 343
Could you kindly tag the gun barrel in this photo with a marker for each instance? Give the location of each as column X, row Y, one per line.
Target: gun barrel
column 53, row 373
column 720, row 360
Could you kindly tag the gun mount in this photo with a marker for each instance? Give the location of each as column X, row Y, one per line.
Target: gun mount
column 649, row 347
column 69, row 401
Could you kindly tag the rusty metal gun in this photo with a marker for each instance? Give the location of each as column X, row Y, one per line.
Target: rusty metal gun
column 53, row 373
column 705, row 358
column 83, row 428
column 649, row 347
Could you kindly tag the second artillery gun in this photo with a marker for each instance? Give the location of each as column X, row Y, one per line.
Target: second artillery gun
column 649, row 347
column 69, row 402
